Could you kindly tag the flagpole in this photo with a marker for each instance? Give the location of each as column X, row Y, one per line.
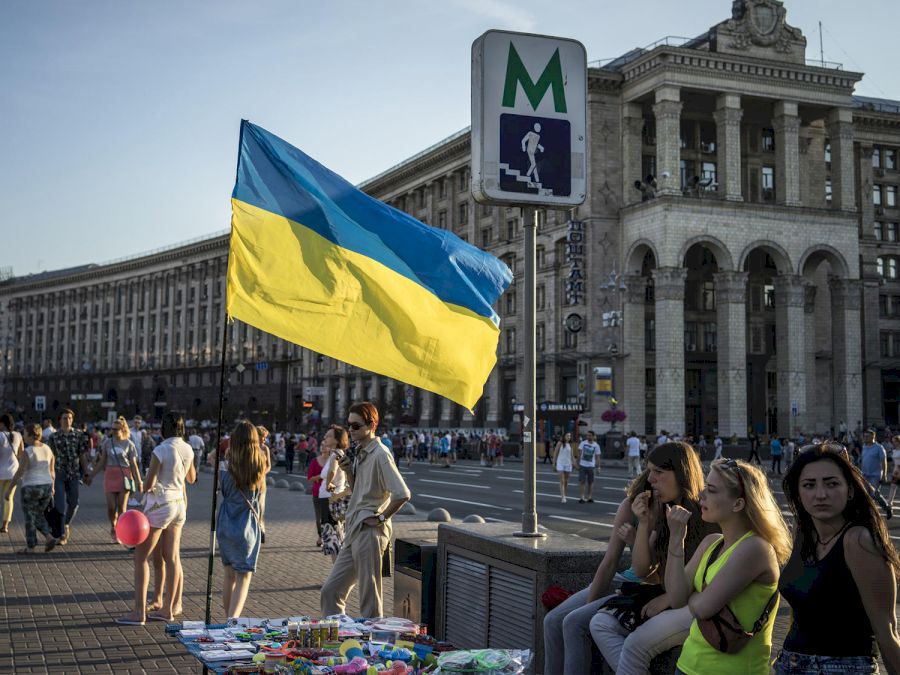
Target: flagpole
column 218, row 454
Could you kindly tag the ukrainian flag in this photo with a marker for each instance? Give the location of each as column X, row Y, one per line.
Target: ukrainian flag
column 317, row 262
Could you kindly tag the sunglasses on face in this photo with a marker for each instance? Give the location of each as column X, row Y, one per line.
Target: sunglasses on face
column 356, row 426
column 732, row 465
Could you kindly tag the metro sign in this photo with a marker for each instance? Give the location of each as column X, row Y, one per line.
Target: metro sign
column 529, row 95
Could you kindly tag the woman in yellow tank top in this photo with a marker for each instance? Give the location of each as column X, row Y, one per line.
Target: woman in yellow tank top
column 737, row 569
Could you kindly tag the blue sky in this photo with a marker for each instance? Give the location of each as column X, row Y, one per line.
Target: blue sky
column 121, row 117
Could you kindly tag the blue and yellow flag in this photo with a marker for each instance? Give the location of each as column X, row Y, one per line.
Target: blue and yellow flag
column 317, row 262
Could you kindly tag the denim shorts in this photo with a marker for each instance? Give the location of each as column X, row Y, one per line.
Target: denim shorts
column 793, row 663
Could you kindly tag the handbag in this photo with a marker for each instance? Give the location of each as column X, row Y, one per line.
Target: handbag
column 628, row 602
column 338, row 505
column 723, row 631
column 128, row 482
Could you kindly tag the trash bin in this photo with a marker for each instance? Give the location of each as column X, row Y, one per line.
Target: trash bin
column 415, row 580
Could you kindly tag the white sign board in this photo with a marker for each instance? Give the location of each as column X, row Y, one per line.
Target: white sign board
column 310, row 391
column 529, row 101
column 40, row 403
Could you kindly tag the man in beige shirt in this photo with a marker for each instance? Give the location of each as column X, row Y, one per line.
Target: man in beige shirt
column 378, row 493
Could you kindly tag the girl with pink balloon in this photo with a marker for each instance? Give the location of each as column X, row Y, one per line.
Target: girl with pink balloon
column 165, row 511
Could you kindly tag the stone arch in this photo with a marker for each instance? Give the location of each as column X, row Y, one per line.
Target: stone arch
column 634, row 260
column 823, row 252
column 724, row 259
column 777, row 251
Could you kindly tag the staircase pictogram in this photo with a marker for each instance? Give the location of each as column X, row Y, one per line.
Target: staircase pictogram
column 515, row 173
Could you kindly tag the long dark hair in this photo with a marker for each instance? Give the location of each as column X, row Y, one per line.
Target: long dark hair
column 681, row 458
column 860, row 509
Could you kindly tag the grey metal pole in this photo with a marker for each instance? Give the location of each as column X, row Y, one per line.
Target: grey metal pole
column 529, row 414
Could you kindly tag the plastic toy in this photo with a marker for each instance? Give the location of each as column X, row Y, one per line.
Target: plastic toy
column 132, row 528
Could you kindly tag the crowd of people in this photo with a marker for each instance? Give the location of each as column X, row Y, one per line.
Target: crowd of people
column 712, row 556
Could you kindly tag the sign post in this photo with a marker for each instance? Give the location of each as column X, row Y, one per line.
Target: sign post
column 529, row 103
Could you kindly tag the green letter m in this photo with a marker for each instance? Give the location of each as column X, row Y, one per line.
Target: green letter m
column 551, row 77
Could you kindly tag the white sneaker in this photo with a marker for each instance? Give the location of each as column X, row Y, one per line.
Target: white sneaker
column 563, row 500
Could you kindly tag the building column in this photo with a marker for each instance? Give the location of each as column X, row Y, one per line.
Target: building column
column 787, row 153
column 846, row 352
column 343, row 396
column 843, row 175
column 632, row 390
column 866, row 181
column 492, row 392
column 551, row 378
column 728, row 151
column 632, row 129
column 426, row 419
column 668, row 142
column 790, row 326
column 811, row 422
column 873, row 402
column 669, row 294
column 731, row 347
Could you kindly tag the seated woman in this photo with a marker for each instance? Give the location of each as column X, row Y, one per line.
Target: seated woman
column 567, row 646
column 841, row 579
column 676, row 478
column 736, row 571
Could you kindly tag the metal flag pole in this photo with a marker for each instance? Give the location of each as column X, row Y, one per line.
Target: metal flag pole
column 529, row 413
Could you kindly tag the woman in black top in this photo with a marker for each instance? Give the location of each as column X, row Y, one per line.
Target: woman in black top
column 841, row 578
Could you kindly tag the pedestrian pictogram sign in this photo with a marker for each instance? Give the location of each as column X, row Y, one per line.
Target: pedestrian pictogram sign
column 529, row 96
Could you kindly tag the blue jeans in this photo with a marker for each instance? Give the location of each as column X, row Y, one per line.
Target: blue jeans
column 793, row 663
column 66, row 499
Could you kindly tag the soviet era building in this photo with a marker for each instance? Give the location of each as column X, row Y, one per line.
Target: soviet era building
column 748, row 280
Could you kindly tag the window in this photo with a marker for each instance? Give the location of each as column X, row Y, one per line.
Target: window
column 510, row 261
column 892, row 268
column 767, row 140
column 463, row 180
column 827, row 152
column 890, row 231
column 570, row 339
column 756, row 339
column 510, row 302
column 512, row 226
column 883, row 309
column 442, row 220
column 768, row 183
column 879, row 230
column 895, row 344
column 539, row 341
column 895, row 305
column 891, row 195
column 709, row 296
column 876, row 157
column 442, row 189
column 885, row 342
column 540, row 256
column 709, row 336
column 708, row 172
column 769, row 294
column 879, row 266
column 890, row 159
column 485, row 237
column 690, row 336
column 540, row 297
column 649, row 377
column 510, row 340
column 828, row 191
column 876, row 195
column 463, row 213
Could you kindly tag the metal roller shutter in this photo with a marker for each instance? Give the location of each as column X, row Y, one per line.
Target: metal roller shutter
column 511, row 617
column 466, row 602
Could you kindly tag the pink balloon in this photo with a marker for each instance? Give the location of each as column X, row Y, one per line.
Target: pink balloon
column 132, row 528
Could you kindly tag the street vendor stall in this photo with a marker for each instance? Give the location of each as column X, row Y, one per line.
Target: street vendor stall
column 336, row 644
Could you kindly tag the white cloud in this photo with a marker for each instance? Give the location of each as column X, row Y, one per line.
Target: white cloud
column 508, row 15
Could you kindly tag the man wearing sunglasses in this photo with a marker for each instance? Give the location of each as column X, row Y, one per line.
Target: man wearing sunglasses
column 378, row 493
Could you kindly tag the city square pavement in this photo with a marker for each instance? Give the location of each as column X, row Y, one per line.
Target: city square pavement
column 58, row 609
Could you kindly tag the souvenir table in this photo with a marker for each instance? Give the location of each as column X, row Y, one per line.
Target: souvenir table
column 339, row 645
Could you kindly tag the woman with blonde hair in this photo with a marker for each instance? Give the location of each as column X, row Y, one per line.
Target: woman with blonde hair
column 238, row 525
column 730, row 584
column 122, row 474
